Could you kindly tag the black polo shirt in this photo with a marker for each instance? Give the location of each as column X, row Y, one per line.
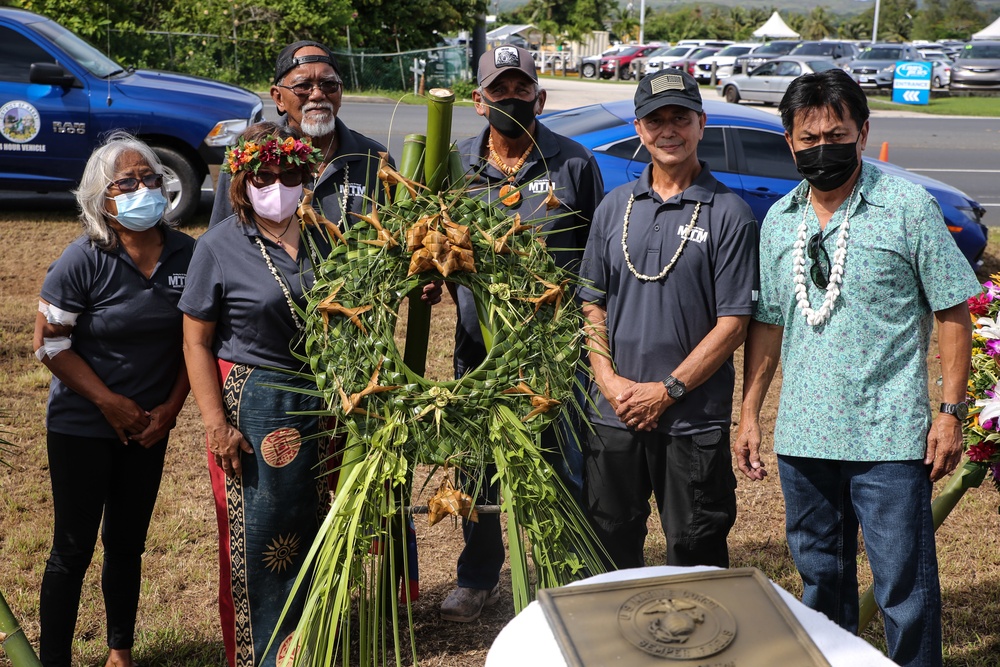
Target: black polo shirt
column 653, row 326
column 128, row 331
column 229, row 283
column 576, row 180
column 354, row 167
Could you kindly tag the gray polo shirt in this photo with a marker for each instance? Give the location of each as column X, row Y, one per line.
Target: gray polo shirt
column 576, row 181
column 230, row 284
column 128, row 331
column 354, row 167
column 653, row 326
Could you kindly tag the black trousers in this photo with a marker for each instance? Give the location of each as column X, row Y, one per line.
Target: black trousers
column 691, row 479
column 92, row 477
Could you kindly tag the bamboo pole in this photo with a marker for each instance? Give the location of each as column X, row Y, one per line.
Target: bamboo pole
column 969, row 476
column 13, row 641
column 418, row 318
column 438, row 137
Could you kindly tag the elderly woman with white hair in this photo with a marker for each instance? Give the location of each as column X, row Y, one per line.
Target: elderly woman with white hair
column 109, row 330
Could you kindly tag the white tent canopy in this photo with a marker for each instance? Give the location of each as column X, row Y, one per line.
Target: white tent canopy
column 992, row 31
column 775, row 28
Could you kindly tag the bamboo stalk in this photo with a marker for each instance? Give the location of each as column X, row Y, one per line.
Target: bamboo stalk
column 411, row 163
column 418, row 318
column 969, row 476
column 13, row 641
column 438, row 137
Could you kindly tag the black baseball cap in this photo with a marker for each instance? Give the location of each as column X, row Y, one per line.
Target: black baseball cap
column 504, row 58
column 287, row 60
column 669, row 86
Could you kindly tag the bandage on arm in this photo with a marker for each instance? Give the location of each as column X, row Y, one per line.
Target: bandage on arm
column 51, row 346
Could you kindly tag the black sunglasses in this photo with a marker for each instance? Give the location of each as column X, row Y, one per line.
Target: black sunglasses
column 290, row 179
column 820, row 269
column 130, row 184
column 304, row 89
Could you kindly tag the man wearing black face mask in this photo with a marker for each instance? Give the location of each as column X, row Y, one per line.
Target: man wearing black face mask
column 849, row 315
column 554, row 183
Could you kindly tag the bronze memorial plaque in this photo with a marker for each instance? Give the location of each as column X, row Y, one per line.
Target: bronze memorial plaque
column 716, row 618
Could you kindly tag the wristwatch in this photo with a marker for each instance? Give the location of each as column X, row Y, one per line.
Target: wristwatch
column 960, row 410
column 675, row 388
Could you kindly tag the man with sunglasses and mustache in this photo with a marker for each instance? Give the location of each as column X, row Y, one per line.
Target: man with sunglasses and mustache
column 308, row 90
column 855, row 266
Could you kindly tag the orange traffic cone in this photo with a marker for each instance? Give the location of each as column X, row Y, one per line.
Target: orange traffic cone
column 883, row 155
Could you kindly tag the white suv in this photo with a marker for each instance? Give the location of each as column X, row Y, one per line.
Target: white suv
column 723, row 61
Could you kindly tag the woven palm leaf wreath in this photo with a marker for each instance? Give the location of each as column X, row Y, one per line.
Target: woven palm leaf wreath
column 396, row 419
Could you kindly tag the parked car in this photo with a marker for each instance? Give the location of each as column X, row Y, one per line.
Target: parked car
column 59, row 96
column 655, row 53
column 768, row 82
column 714, row 43
column 769, row 51
column 876, row 65
column 689, row 62
column 592, row 64
column 840, row 53
column 723, row 62
column 746, row 150
column 941, row 75
column 622, row 61
column 658, row 61
column 977, row 67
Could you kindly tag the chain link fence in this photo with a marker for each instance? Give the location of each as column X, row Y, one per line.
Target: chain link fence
column 409, row 71
column 250, row 63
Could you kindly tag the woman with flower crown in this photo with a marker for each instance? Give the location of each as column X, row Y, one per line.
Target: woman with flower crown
column 243, row 317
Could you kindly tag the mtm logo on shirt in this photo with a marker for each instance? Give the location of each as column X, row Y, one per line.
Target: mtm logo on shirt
column 354, row 190
column 697, row 235
column 177, row 280
column 541, row 186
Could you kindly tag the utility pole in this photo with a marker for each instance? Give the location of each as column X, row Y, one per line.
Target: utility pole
column 875, row 23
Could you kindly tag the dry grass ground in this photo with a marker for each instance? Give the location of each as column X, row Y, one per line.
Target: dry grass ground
column 178, row 623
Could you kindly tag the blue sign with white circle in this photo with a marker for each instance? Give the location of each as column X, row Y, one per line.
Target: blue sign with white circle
column 911, row 82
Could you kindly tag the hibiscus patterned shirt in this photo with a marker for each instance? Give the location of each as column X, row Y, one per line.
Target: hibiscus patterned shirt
column 855, row 388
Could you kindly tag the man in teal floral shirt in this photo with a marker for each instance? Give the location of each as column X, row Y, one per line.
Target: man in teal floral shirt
column 855, row 266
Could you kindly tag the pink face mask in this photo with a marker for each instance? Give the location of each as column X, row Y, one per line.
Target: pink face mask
column 274, row 202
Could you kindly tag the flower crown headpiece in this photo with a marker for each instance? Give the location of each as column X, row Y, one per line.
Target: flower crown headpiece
column 250, row 155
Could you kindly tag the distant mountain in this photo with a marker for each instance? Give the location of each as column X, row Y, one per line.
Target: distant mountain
column 841, row 7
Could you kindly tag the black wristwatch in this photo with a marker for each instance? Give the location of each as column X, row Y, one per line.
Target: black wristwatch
column 675, row 388
column 960, row 410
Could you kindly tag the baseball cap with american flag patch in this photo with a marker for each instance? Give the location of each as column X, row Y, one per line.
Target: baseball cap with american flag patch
column 667, row 87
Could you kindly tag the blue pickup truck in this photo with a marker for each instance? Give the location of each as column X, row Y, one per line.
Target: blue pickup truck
column 59, row 96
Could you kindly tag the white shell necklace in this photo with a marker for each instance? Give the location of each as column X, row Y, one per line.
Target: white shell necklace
column 686, row 234
column 817, row 317
column 281, row 283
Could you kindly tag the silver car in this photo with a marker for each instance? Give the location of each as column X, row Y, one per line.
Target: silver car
column 876, row 66
column 977, row 67
column 768, row 82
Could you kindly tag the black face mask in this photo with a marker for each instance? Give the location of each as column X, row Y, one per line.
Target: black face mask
column 511, row 117
column 828, row 166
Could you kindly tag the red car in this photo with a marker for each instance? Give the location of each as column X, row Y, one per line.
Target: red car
column 622, row 60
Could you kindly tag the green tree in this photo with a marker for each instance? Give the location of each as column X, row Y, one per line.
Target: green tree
column 819, row 24
column 896, row 20
column 962, row 18
column 929, row 23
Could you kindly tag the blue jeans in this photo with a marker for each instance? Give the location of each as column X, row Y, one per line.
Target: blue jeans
column 825, row 502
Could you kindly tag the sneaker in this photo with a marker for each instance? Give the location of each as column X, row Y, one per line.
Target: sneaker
column 464, row 605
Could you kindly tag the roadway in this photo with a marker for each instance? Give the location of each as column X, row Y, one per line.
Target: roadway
column 957, row 150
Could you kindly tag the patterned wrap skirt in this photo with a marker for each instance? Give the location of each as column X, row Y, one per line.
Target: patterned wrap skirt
column 268, row 517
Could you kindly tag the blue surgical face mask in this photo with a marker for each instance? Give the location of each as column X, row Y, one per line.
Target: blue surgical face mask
column 140, row 210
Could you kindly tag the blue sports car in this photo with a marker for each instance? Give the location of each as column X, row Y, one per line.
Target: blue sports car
column 746, row 150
